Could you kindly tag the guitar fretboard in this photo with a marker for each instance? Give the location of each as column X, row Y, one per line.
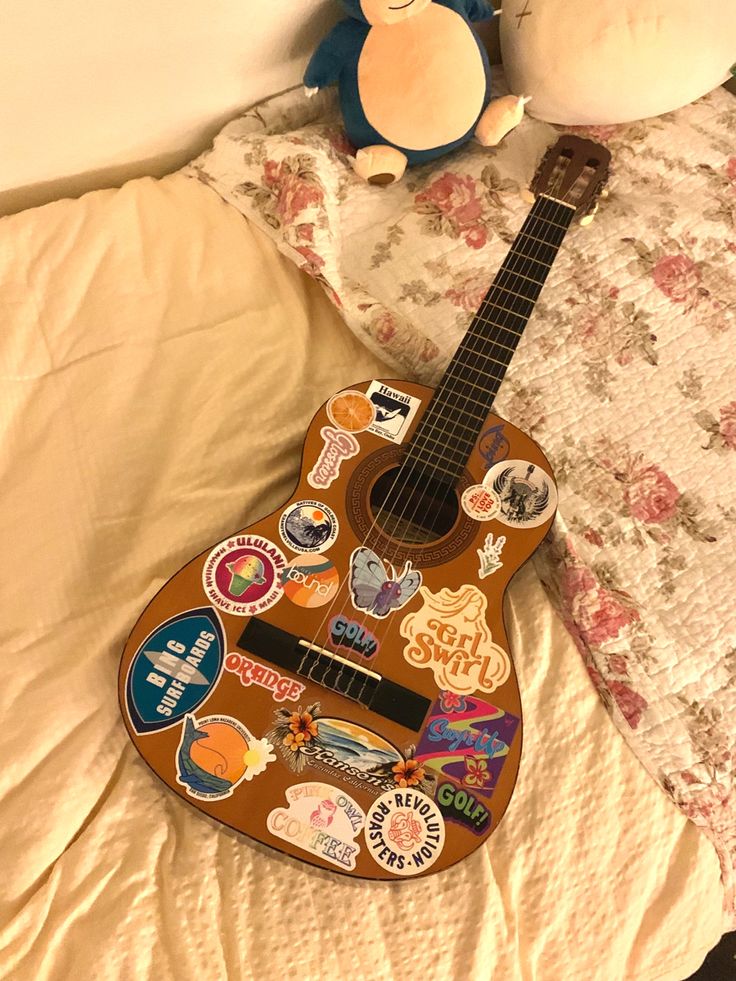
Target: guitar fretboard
column 450, row 427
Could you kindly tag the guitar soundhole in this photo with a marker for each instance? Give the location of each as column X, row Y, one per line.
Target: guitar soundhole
column 409, row 513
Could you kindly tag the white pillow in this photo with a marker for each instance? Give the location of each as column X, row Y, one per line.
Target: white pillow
column 612, row 61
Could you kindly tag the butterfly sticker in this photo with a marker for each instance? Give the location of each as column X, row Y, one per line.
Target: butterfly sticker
column 377, row 591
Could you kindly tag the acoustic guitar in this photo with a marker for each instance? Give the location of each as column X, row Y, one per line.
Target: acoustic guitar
column 335, row 680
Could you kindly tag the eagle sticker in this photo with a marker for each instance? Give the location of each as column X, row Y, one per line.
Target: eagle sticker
column 526, row 494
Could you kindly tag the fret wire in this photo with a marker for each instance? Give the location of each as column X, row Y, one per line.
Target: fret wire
column 511, row 272
column 483, row 337
column 541, row 241
column 463, row 455
column 471, row 429
column 487, row 357
column 549, row 221
column 524, row 259
column 490, row 303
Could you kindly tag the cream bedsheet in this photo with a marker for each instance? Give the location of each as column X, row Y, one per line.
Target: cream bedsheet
column 160, row 363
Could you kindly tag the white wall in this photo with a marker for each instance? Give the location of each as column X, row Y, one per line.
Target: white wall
column 109, row 89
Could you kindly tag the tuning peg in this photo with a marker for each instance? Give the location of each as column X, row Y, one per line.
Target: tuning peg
column 588, row 219
column 527, row 195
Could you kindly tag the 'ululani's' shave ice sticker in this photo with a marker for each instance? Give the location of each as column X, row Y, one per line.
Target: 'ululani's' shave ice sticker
column 321, row 820
column 527, row 495
column 394, row 411
column 174, row 670
column 467, row 740
column 405, row 832
column 216, row 754
column 450, row 636
column 309, row 526
column 338, row 446
column 310, row 580
column 242, row 575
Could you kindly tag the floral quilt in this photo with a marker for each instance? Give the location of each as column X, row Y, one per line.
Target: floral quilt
column 625, row 376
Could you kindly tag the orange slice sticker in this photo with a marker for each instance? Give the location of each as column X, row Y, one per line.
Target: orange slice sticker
column 352, row 411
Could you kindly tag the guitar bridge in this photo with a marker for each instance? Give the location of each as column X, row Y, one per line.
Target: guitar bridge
column 323, row 667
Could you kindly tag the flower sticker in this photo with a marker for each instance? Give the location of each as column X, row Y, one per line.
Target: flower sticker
column 476, row 771
column 450, row 701
column 408, row 773
column 294, row 732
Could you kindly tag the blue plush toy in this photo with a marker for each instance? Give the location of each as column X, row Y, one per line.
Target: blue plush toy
column 414, row 82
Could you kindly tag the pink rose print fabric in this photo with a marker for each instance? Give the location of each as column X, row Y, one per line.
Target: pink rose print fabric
column 625, row 376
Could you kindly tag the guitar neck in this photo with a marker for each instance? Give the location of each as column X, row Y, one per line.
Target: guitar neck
column 450, row 427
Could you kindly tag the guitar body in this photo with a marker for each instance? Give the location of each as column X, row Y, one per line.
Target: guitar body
column 249, row 683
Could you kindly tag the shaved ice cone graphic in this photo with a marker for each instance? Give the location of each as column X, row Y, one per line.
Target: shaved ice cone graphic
column 245, row 572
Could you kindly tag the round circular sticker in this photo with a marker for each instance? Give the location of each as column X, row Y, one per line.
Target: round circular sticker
column 526, row 494
column 310, row 580
column 405, row 832
column 352, row 411
column 309, row 526
column 242, row 575
column 479, row 503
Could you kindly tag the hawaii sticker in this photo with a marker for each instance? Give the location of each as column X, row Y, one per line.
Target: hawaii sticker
column 467, row 740
column 527, row 495
column 174, row 670
column 308, row 526
column 338, row 446
column 345, row 751
column 321, row 820
column 479, row 503
column 216, row 754
column 252, row 672
column 242, row 575
column 450, row 636
column 490, row 555
column 377, row 588
column 405, row 832
column 394, row 411
column 310, row 580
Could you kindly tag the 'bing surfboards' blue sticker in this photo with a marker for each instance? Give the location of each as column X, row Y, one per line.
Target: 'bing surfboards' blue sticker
column 174, row 670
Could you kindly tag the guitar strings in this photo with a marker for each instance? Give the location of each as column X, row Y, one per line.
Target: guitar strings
column 526, row 263
column 456, row 387
column 529, row 223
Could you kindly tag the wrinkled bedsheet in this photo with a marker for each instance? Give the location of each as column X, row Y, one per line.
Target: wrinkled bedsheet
column 160, row 362
column 625, row 377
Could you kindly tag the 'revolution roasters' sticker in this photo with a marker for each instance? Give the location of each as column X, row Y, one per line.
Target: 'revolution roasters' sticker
column 310, row 580
column 174, row 670
column 241, row 575
column 527, row 495
column 338, row 446
column 308, row 526
column 404, row 832
column 394, row 411
column 321, row 820
column 216, row 754
column 479, row 503
column 450, row 636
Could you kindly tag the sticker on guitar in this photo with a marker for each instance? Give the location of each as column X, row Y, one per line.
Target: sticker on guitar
column 375, row 590
column 527, row 495
column 338, row 446
column 216, row 754
column 449, row 635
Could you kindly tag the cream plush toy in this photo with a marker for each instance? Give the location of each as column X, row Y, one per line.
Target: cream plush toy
column 414, row 82
column 588, row 62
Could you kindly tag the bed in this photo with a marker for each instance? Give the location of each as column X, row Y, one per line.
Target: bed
column 160, row 361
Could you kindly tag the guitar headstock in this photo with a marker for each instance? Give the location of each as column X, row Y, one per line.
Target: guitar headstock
column 574, row 171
